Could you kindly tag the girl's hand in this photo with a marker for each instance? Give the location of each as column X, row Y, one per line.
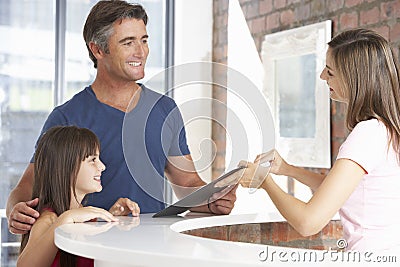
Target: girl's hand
column 124, row 206
column 85, row 214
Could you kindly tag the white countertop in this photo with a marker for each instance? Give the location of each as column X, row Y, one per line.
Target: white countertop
column 147, row 241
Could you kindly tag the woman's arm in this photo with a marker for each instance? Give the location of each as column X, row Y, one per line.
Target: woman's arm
column 309, row 178
column 309, row 218
column 280, row 167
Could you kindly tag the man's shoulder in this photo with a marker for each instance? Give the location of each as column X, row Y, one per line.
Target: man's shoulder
column 79, row 100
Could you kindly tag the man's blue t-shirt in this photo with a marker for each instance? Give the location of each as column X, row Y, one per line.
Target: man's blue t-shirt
column 134, row 145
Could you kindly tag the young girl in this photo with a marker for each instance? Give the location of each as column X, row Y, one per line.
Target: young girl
column 364, row 182
column 67, row 167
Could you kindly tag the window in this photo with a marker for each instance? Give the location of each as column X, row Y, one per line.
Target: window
column 28, row 82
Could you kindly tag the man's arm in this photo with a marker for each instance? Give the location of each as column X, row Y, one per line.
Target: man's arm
column 182, row 174
column 20, row 213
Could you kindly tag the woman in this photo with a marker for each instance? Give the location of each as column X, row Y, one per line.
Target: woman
column 67, row 167
column 364, row 182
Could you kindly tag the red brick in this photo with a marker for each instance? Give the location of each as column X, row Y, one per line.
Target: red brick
column 294, row 235
column 303, row 12
column 219, row 162
column 333, row 5
column 369, row 16
column 218, row 232
column 223, row 5
column 279, row 232
column 338, row 109
column 279, row 3
column 217, row 172
column 287, row 17
column 333, row 230
column 351, row 3
column 317, row 7
column 390, row 10
column 258, row 41
column 394, row 33
column 382, row 30
column 223, row 36
column 335, row 25
column 220, row 145
column 338, row 129
column 251, row 10
column 348, row 20
column 272, row 21
column 249, row 233
column 257, row 25
column 265, row 6
column 396, row 53
column 335, row 145
column 320, row 247
column 221, row 21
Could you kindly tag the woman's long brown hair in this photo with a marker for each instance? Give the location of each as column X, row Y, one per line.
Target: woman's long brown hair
column 58, row 157
column 370, row 77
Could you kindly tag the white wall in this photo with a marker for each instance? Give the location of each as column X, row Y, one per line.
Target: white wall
column 243, row 57
column 193, row 43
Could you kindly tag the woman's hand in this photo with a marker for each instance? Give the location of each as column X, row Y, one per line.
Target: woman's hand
column 85, row 214
column 124, row 206
column 263, row 165
column 254, row 174
column 277, row 164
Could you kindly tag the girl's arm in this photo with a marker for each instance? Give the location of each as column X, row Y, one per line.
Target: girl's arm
column 309, row 218
column 40, row 249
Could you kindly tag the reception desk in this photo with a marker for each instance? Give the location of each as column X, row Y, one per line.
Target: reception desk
column 147, row 241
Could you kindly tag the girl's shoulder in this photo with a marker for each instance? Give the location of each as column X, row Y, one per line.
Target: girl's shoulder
column 47, row 215
column 46, row 219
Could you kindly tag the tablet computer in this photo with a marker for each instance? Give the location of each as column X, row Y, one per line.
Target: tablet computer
column 202, row 195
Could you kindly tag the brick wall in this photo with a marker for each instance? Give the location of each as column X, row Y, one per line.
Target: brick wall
column 269, row 16
column 220, row 52
column 273, row 233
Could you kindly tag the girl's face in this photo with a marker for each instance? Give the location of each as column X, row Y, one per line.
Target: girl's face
column 88, row 179
column 329, row 75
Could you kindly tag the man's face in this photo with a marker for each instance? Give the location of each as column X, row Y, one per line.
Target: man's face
column 128, row 50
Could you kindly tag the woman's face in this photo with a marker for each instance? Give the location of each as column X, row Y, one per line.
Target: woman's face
column 330, row 76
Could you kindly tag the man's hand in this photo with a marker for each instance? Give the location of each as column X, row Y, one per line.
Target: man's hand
column 124, row 206
column 223, row 205
column 23, row 216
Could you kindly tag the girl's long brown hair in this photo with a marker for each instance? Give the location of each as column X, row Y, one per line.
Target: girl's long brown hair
column 370, row 77
column 59, row 154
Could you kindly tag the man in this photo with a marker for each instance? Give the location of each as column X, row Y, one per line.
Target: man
column 130, row 120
